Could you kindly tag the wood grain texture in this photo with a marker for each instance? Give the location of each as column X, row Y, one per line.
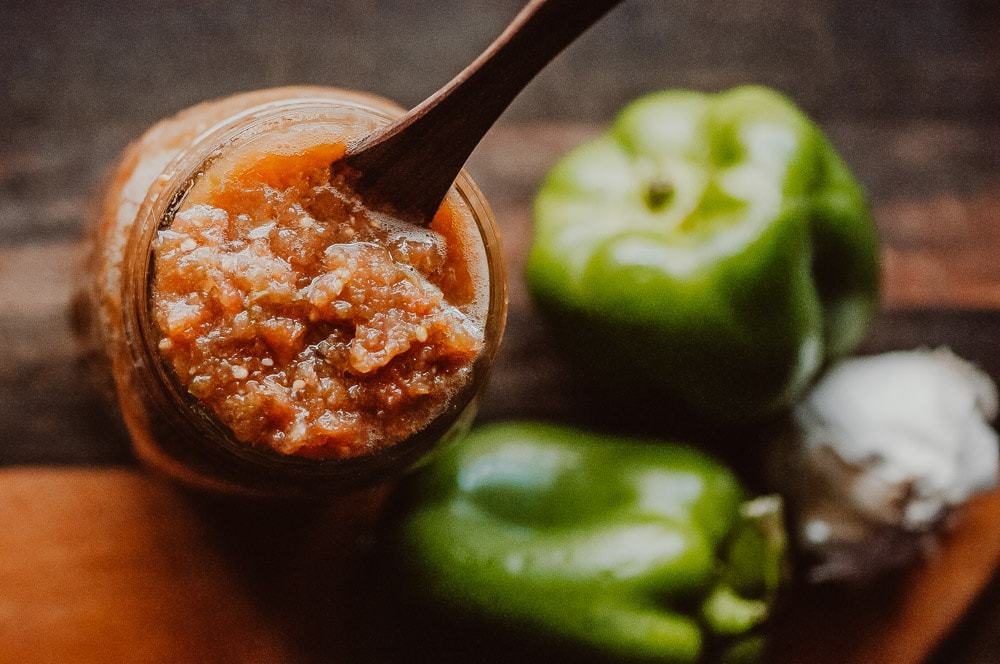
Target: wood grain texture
column 105, row 564
column 899, row 619
column 112, row 566
column 102, row 564
column 109, row 565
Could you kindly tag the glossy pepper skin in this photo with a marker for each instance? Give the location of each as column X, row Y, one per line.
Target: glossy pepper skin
column 712, row 250
column 591, row 544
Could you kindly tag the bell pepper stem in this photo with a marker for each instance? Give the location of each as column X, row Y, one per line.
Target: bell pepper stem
column 726, row 611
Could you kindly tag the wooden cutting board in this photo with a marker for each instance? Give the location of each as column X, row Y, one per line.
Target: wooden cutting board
column 111, row 565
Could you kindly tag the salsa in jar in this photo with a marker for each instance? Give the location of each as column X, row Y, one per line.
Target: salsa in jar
column 266, row 330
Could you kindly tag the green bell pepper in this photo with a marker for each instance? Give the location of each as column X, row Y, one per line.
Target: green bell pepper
column 593, row 545
column 710, row 250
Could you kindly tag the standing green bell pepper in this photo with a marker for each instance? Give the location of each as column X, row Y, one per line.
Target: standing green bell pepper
column 600, row 545
column 708, row 249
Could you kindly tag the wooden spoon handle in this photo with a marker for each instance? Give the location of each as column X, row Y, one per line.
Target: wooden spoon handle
column 409, row 165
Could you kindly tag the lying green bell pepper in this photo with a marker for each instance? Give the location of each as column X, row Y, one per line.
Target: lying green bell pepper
column 593, row 544
column 708, row 249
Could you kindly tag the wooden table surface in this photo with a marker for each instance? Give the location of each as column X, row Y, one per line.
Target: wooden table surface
column 100, row 562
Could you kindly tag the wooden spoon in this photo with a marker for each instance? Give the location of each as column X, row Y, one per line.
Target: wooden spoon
column 407, row 167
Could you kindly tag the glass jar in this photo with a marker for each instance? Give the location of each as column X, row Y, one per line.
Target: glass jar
column 172, row 430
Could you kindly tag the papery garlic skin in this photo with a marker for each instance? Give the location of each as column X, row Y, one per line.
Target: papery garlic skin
column 884, row 449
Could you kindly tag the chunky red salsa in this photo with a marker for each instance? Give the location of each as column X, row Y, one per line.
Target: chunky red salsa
column 304, row 322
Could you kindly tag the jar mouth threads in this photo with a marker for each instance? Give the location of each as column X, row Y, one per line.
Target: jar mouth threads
column 172, row 420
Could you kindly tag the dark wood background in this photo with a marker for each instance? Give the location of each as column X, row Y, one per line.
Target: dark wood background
column 909, row 91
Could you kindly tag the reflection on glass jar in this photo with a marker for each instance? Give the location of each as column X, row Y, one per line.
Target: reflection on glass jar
column 266, row 333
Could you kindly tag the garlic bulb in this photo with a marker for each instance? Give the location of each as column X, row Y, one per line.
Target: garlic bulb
column 884, row 449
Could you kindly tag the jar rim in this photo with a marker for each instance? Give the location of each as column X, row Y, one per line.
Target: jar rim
column 157, row 212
